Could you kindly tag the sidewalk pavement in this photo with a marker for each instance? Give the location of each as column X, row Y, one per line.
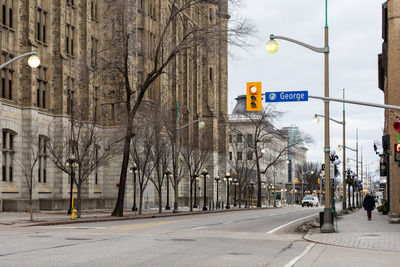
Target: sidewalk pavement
column 355, row 231
column 61, row 217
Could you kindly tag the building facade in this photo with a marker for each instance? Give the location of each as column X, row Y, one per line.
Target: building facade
column 276, row 149
column 389, row 83
column 71, row 38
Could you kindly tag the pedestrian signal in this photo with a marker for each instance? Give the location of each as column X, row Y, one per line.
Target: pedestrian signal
column 397, row 152
column 254, row 96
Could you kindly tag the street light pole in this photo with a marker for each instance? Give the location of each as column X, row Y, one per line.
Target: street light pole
column 235, row 184
column 134, row 170
column 205, row 175
column 71, row 162
column 217, row 179
column 227, row 179
column 167, row 174
column 195, row 190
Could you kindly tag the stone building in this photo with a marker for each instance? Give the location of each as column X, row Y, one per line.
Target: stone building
column 70, row 38
column 389, row 83
column 242, row 130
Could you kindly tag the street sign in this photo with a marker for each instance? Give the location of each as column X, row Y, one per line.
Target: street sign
column 286, row 96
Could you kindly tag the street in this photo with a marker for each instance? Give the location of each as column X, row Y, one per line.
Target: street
column 241, row 238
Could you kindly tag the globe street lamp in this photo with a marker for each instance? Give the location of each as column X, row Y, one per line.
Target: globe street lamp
column 72, row 164
column 134, row 170
column 272, row 47
column 168, row 175
column 33, row 60
column 227, row 179
column 205, row 175
column 217, row 179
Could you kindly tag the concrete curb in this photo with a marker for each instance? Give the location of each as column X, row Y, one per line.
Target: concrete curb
column 137, row 217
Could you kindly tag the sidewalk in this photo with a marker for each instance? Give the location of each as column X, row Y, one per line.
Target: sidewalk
column 60, row 217
column 355, row 231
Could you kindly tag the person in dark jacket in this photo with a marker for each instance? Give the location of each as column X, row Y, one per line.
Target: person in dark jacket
column 369, row 204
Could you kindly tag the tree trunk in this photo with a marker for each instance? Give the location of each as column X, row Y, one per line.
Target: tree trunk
column 119, row 206
column 140, row 200
column 159, row 200
column 30, row 205
column 191, row 194
column 79, row 203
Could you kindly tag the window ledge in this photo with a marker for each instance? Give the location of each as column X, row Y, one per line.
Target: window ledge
column 9, row 187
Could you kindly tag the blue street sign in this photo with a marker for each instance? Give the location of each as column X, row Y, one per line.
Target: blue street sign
column 286, row 96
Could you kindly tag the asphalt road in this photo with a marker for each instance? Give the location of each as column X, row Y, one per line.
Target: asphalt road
column 242, row 238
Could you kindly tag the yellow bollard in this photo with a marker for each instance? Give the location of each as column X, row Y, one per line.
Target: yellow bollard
column 73, row 214
column 73, row 211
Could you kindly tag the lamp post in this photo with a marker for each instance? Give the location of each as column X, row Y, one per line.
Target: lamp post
column 168, row 174
column 71, row 162
column 33, row 60
column 335, row 161
column 134, row 170
column 195, row 190
column 205, row 175
column 252, row 193
column 227, row 179
column 217, row 179
column 272, row 47
column 235, row 183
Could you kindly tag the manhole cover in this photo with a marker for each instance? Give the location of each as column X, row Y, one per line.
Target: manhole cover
column 181, row 239
column 77, row 238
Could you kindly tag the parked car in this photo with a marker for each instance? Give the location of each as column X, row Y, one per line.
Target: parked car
column 310, row 201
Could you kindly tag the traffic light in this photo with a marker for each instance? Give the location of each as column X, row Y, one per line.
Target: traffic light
column 397, row 152
column 254, row 96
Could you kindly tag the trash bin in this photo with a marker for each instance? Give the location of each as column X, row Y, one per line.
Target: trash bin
column 321, row 218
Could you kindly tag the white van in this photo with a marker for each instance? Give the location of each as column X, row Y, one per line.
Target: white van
column 310, row 201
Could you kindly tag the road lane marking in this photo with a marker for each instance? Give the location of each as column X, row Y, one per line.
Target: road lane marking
column 280, row 227
column 201, row 227
column 296, row 259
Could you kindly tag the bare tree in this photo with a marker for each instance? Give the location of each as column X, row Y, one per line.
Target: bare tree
column 166, row 45
column 266, row 136
column 28, row 163
column 88, row 146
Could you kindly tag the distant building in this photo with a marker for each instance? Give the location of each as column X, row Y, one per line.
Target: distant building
column 242, row 156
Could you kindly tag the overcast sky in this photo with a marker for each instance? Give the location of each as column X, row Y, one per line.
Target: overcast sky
column 355, row 40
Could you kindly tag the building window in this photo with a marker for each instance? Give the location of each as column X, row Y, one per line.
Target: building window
column 70, row 94
column 239, row 156
column 249, row 139
column 42, row 159
column 7, row 74
column 8, row 155
column 211, row 74
column 7, row 13
column 250, row 156
column 93, row 51
column 41, row 87
column 93, row 9
column 140, row 5
column 239, row 138
column 69, row 39
column 230, row 155
column 70, row 2
column 41, row 18
column 230, row 138
column 96, row 101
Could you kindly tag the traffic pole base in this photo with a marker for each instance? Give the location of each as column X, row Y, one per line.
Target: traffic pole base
column 328, row 226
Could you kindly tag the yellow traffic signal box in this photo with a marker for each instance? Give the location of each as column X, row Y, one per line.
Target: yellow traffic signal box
column 254, row 96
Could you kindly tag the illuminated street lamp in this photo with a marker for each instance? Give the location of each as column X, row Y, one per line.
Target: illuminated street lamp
column 227, row 179
column 272, row 47
column 33, row 60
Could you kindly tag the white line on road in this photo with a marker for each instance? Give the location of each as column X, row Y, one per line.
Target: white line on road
column 201, row 227
column 293, row 261
column 280, row 227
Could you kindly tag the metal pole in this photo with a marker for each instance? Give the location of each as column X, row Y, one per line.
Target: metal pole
column 356, row 165
column 274, row 189
column 167, row 207
column 327, row 227
column 217, row 206
column 205, row 192
column 70, row 190
column 227, row 194
column 234, row 203
column 134, row 208
column 344, row 206
column 195, row 190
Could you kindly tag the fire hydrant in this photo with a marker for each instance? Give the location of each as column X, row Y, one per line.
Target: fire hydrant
column 73, row 214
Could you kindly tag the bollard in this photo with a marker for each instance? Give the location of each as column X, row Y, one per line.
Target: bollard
column 73, row 214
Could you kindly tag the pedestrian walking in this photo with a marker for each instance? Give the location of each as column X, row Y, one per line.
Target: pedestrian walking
column 369, row 204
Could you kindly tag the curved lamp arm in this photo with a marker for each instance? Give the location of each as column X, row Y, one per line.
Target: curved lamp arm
column 190, row 123
column 16, row 58
column 313, row 48
column 338, row 122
